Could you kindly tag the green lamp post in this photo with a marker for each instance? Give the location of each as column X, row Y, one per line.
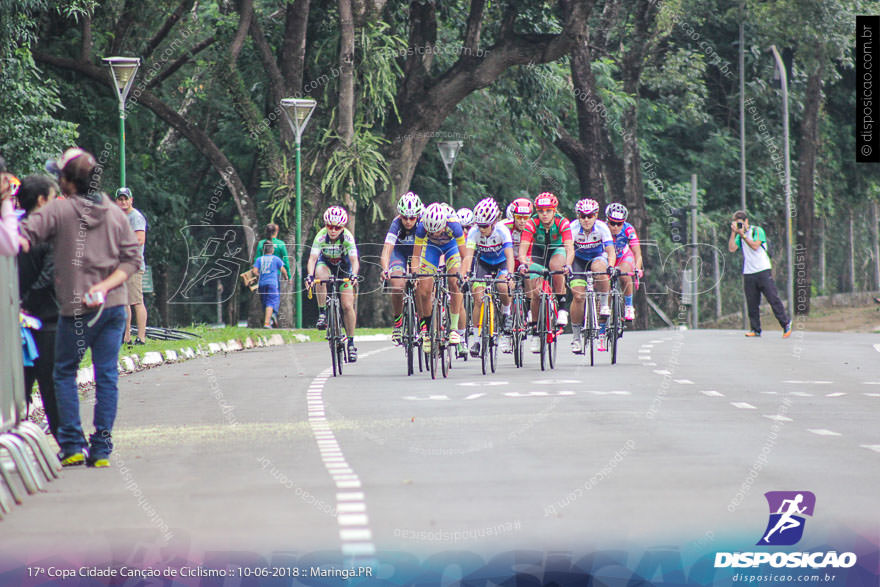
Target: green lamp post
column 298, row 111
column 123, row 71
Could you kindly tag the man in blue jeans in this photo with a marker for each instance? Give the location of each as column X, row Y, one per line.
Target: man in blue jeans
column 95, row 252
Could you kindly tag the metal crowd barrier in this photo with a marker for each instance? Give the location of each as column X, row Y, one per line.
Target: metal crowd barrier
column 23, row 444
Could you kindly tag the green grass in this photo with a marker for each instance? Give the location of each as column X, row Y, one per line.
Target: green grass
column 210, row 334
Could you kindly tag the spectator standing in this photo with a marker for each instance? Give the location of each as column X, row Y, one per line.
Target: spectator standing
column 267, row 267
column 270, row 234
column 758, row 278
column 8, row 220
column 135, row 283
column 36, row 277
column 95, row 253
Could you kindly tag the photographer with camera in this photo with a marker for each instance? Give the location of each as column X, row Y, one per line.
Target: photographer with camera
column 757, row 273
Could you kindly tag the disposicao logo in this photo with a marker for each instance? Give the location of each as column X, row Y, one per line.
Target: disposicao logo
column 785, row 528
column 786, row 525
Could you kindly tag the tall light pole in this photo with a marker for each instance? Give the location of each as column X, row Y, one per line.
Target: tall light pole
column 298, row 111
column 122, row 70
column 783, row 80
column 448, row 152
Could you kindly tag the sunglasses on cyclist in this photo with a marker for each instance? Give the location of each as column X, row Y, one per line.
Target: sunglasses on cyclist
column 484, row 225
column 332, row 227
column 590, row 215
column 615, row 223
column 410, row 217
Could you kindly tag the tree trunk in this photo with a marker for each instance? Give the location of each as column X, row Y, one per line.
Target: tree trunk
column 345, row 105
column 852, row 251
column 820, row 235
column 875, row 244
column 809, row 145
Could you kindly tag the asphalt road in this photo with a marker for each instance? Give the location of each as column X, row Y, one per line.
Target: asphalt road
column 255, row 452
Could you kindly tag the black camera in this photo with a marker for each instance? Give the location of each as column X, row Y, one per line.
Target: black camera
column 739, row 225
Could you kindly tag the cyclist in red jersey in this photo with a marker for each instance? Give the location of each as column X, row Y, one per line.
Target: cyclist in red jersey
column 546, row 242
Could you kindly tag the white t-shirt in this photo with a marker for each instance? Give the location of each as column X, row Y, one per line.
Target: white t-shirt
column 754, row 261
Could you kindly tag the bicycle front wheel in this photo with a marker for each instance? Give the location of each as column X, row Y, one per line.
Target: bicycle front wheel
column 542, row 332
column 552, row 334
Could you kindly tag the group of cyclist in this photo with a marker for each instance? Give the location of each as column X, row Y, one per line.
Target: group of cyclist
column 478, row 245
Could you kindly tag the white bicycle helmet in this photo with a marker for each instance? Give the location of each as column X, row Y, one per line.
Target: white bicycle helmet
column 435, row 216
column 336, row 215
column 587, row 206
column 465, row 216
column 616, row 211
column 486, row 211
column 409, row 205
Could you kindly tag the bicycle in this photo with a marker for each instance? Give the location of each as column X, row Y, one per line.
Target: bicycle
column 410, row 340
column 488, row 323
column 335, row 337
column 615, row 325
column 547, row 326
column 467, row 308
column 590, row 328
column 441, row 349
column 518, row 311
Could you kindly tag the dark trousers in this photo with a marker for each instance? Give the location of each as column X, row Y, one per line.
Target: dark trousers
column 41, row 372
column 756, row 284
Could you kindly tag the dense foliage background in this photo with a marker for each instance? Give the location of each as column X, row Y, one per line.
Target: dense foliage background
column 613, row 99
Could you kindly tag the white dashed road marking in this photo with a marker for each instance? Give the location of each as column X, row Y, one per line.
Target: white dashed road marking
column 711, row 393
column 778, row 418
column 684, row 381
column 743, row 405
column 874, row 447
column 823, row 432
column 808, row 382
column 351, row 510
column 835, row 394
column 877, row 347
column 662, row 372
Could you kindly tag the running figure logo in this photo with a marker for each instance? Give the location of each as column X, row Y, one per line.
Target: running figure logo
column 787, row 508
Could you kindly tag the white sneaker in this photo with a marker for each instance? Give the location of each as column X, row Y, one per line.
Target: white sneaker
column 605, row 310
column 506, row 344
column 576, row 346
column 535, row 345
column 629, row 313
column 562, row 317
column 454, row 337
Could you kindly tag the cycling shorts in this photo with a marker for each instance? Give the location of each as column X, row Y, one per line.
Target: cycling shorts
column 432, row 253
column 536, row 261
column 483, row 270
column 339, row 270
column 627, row 257
column 398, row 261
column 583, row 265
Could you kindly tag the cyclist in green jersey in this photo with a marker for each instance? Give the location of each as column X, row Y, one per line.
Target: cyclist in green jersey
column 334, row 251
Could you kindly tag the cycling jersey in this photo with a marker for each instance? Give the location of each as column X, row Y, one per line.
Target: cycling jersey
column 332, row 252
column 591, row 245
column 453, row 231
column 515, row 235
column 540, row 238
column 402, row 239
column 490, row 248
column 625, row 238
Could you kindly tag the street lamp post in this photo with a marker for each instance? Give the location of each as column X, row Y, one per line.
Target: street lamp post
column 122, row 70
column 448, row 152
column 298, row 111
column 783, row 80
